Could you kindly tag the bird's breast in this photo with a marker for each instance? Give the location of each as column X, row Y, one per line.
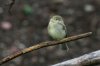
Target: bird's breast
column 56, row 32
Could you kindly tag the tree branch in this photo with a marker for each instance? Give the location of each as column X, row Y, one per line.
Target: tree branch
column 90, row 59
column 10, row 4
column 42, row 45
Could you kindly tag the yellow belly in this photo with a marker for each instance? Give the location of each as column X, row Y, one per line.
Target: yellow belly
column 57, row 34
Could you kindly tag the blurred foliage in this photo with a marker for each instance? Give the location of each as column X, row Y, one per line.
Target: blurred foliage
column 26, row 28
column 27, row 10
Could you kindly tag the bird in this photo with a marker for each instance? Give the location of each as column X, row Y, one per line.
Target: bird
column 57, row 30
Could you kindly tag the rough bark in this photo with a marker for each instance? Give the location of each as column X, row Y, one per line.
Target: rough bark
column 90, row 59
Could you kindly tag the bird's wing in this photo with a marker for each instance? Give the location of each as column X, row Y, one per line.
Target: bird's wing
column 63, row 26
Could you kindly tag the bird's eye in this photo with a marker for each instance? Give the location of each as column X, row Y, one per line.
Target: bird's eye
column 56, row 19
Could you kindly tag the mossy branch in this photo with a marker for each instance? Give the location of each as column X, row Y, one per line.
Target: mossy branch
column 42, row 45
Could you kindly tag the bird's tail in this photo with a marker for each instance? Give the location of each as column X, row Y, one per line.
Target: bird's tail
column 64, row 46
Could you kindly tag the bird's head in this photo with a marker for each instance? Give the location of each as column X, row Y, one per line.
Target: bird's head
column 56, row 18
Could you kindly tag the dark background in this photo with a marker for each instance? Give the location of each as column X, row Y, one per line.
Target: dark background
column 23, row 31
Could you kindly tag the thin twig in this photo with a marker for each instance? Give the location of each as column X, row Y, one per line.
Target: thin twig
column 42, row 45
column 10, row 4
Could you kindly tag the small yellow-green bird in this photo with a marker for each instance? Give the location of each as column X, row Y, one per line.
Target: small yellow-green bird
column 57, row 30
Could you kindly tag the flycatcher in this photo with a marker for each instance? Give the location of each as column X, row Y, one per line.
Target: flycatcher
column 57, row 29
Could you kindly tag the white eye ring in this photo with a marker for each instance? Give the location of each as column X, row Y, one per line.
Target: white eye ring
column 56, row 19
